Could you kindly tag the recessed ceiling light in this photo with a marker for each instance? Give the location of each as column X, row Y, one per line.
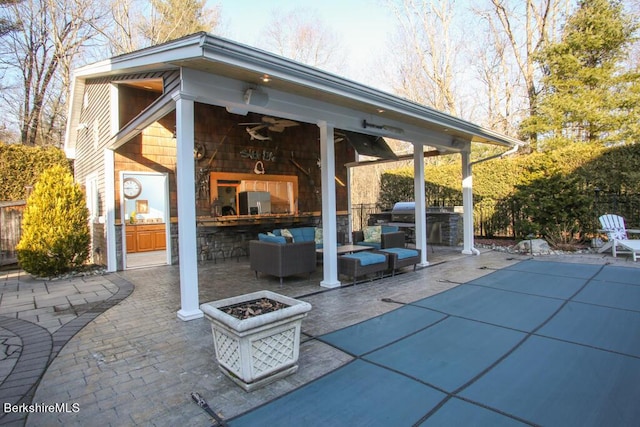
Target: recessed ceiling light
column 266, row 78
column 380, row 110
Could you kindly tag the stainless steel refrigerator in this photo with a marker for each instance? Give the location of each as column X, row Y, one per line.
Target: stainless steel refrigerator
column 255, row 202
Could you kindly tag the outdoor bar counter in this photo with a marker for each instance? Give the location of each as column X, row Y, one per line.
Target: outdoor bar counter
column 266, row 221
column 228, row 236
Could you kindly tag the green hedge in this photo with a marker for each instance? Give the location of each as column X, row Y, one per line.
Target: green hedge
column 21, row 166
column 548, row 194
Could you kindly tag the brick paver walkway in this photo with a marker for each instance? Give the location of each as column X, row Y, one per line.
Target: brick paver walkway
column 37, row 318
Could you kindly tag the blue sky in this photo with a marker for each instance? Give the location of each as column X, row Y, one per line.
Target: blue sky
column 362, row 26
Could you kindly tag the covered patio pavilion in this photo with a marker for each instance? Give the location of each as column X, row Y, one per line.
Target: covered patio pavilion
column 243, row 80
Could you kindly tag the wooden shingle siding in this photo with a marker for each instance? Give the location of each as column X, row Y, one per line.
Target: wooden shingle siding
column 96, row 135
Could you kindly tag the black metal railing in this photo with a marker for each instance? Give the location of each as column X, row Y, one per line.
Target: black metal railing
column 360, row 214
column 627, row 205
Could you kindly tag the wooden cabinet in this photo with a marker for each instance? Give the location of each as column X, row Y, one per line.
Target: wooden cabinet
column 145, row 237
column 160, row 240
column 131, row 239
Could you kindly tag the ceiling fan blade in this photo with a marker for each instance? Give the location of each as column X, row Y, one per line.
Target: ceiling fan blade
column 286, row 123
column 253, row 132
column 279, row 122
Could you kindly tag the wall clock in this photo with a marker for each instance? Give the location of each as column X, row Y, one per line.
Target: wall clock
column 131, row 188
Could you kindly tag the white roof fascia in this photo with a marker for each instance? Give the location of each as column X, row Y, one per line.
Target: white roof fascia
column 155, row 58
column 275, row 66
column 201, row 45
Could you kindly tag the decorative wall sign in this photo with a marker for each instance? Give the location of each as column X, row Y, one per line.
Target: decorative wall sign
column 259, row 168
column 202, row 184
column 253, row 154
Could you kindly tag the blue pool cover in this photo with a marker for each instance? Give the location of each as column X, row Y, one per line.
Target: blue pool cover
column 537, row 343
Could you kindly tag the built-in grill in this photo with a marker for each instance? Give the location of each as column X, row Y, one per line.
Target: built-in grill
column 404, row 212
column 444, row 224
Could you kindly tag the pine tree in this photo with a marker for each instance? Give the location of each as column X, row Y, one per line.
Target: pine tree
column 588, row 95
column 55, row 232
column 172, row 19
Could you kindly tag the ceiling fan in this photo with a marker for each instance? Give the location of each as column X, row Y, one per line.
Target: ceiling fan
column 270, row 123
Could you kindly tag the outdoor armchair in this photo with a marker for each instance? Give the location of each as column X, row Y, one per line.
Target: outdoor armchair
column 282, row 259
column 389, row 238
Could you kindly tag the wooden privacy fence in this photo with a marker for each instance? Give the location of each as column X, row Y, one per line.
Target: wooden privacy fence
column 10, row 230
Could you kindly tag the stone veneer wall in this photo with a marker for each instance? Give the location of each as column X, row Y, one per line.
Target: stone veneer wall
column 443, row 228
column 230, row 240
column 234, row 241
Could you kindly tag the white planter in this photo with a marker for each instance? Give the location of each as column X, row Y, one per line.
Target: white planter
column 256, row 351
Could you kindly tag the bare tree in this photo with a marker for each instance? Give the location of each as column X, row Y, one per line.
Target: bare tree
column 37, row 58
column 302, row 36
column 135, row 24
column 7, row 25
column 426, row 52
column 124, row 35
column 527, row 26
column 499, row 77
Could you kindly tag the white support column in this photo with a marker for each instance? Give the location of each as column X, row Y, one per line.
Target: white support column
column 349, row 235
column 185, row 175
column 329, row 228
column 467, row 204
column 110, row 210
column 109, row 184
column 419, row 196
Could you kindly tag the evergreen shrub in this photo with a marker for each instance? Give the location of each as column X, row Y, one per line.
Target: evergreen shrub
column 55, row 231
